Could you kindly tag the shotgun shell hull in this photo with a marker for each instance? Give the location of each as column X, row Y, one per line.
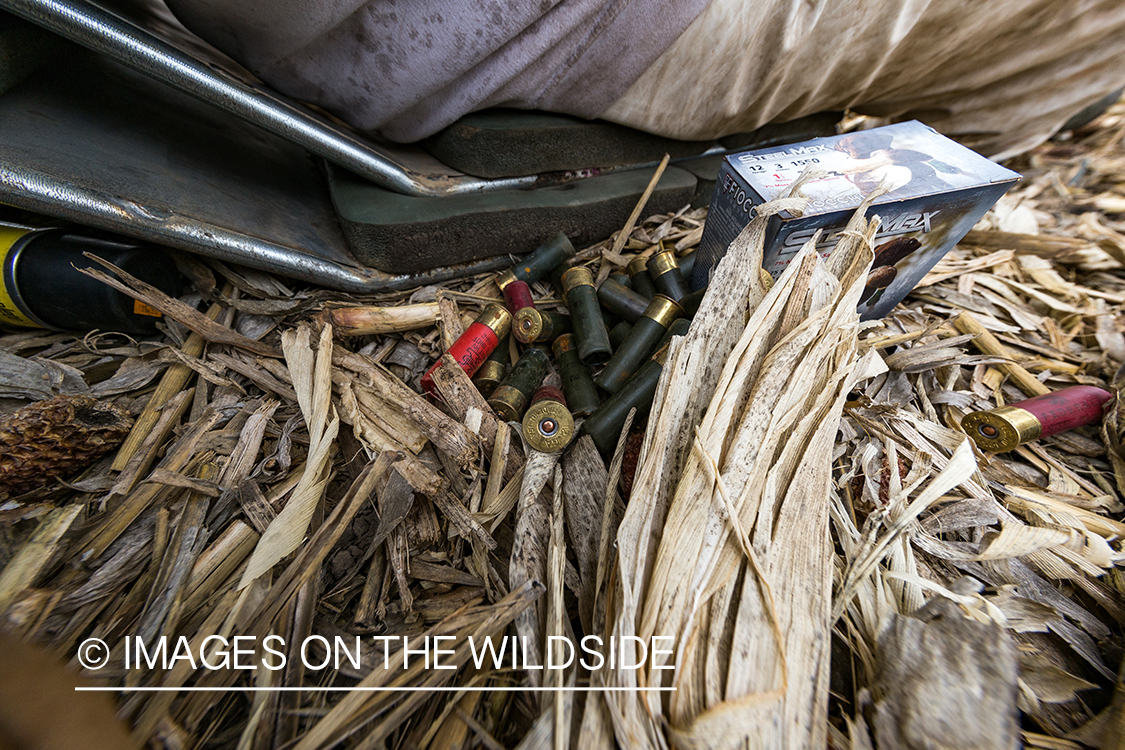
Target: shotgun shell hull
column 692, row 301
column 665, row 273
column 639, row 276
column 622, row 279
column 472, row 348
column 581, row 393
column 1008, row 427
column 604, row 425
column 679, row 327
column 554, row 325
column 492, row 372
column 621, row 301
column 511, row 397
column 618, row 334
column 586, row 316
column 645, row 336
column 687, row 265
column 526, row 320
column 539, row 264
column 548, row 425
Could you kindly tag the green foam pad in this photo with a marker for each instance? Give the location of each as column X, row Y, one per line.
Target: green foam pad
column 514, row 143
column 403, row 234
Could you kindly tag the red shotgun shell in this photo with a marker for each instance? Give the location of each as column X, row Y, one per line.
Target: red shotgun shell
column 472, row 347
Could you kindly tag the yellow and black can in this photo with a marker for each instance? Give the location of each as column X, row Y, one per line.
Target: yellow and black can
column 42, row 287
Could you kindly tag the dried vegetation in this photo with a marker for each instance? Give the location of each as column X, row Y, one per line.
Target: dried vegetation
column 833, row 559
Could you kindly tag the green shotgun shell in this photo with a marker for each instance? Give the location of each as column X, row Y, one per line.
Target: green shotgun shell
column 539, row 264
column 644, row 337
column 586, row 316
column 622, row 279
column 605, row 424
column 492, row 372
column 621, row 301
column 581, row 393
column 687, row 264
column 679, row 327
column 511, row 397
column 642, row 282
column 548, row 425
column 618, row 334
column 554, row 325
column 691, row 302
column 666, row 276
column 527, row 324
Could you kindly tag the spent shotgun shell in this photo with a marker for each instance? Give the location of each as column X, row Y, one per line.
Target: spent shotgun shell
column 691, row 302
column 665, row 273
column 687, row 265
column 472, row 347
column 622, row 278
column 604, row 425
column 586, row 316
column 526, row 320
column 639, row 276
column 540, row 263
column 1010, row 426
column 618, row 334
column 581, row 393
column 552, row 325
column 638, row 345
column 621, row 301
column 548, row 425
column 679, row 327
column 511, row 397
column 492, row 372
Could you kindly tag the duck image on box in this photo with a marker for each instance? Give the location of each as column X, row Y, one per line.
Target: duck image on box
column 936, row 191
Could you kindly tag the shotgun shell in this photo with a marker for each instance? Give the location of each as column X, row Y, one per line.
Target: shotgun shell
column 644, row 337
column 692, row 301
column 586, row 316
column 511, row 397
column 1004, row 429
column 473, row 346
column 581, row 393
column 548, row 425
column 539, row 263
column 666, row 275
column 621, row 301
column 622, row 279
column 679, row 327
column 687, row 265
column 618, row 334
column 527, row 325
column 492, row 372
column 517, row 295
column 605, row 424
column 553, row 325
column 642, row 282
column 526, row 320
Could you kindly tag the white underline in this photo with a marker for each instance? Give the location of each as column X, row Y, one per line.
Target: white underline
column 372, row 689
